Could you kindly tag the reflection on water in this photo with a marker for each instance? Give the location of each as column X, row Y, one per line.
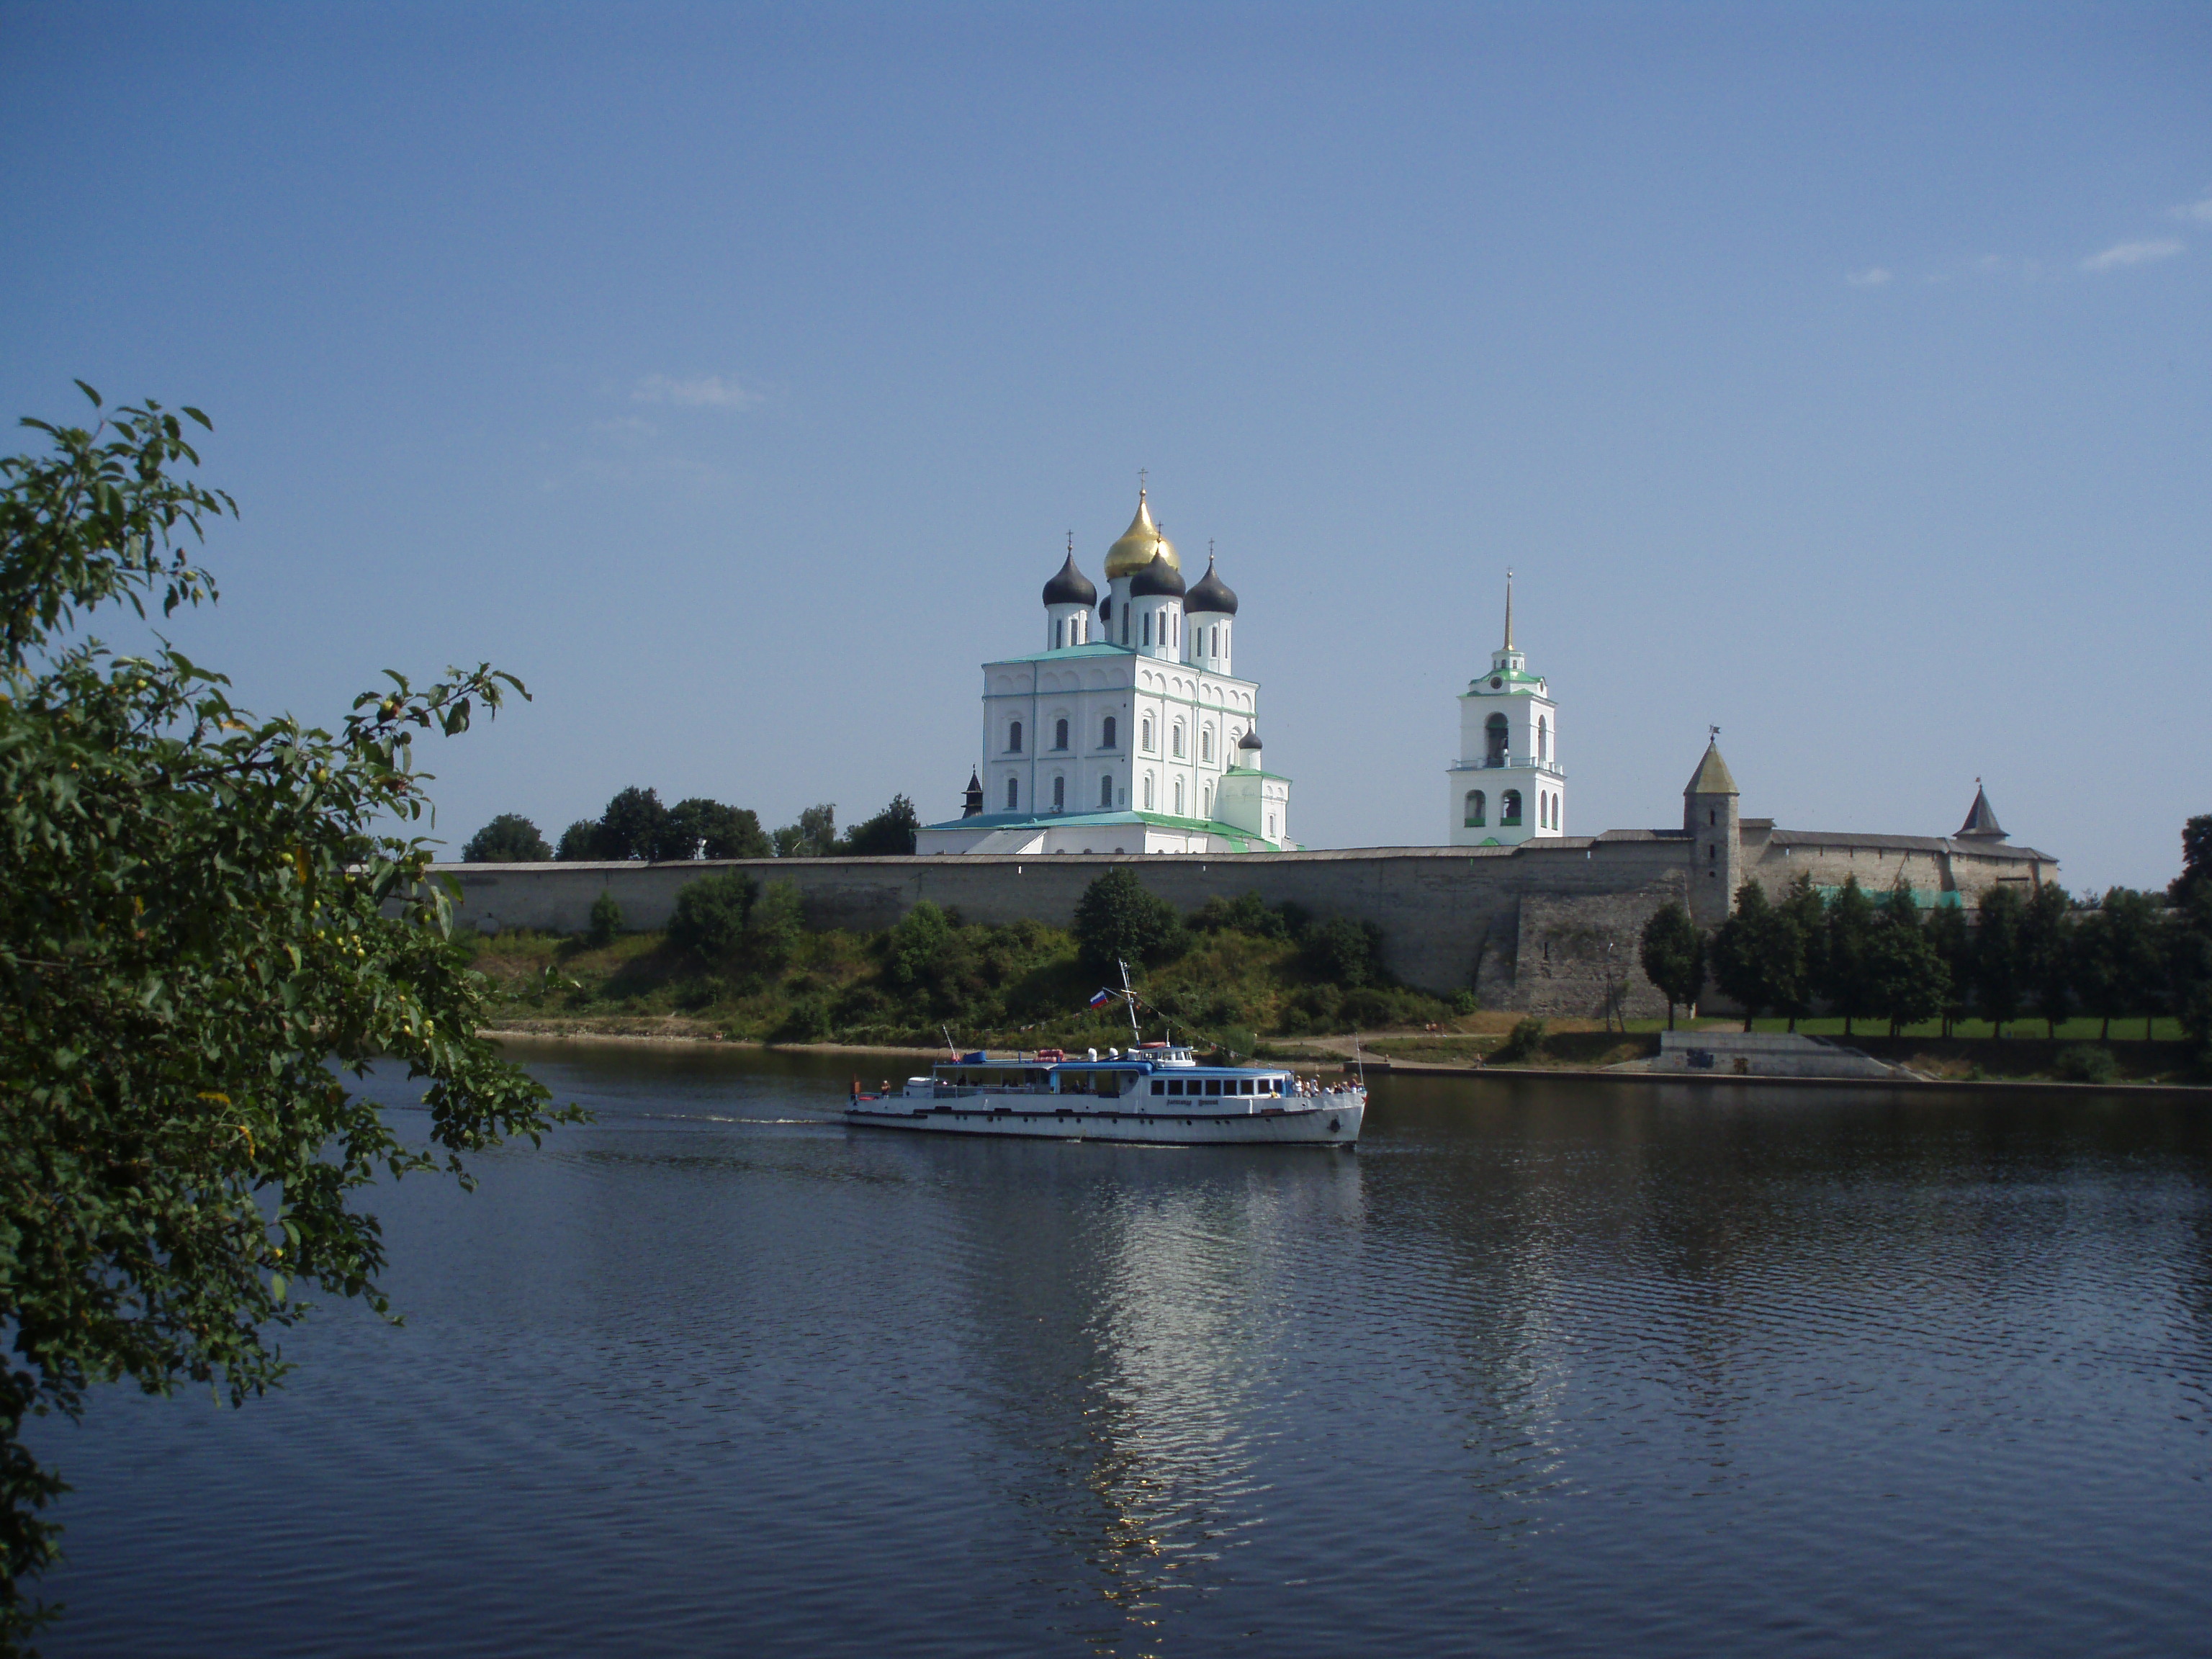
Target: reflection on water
column 1545, row 1368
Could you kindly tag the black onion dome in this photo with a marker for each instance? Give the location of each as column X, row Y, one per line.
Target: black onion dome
column 1159, row 579
column 1071, row 586
column 1250, row 740
column 1212, row 594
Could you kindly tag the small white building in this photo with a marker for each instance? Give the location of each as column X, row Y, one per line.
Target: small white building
column 1128, row 733
column 1507, row 785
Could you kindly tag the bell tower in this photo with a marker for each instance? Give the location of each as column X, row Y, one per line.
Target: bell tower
column 1507, row 785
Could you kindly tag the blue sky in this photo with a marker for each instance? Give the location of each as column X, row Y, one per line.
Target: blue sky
column 1839, row 375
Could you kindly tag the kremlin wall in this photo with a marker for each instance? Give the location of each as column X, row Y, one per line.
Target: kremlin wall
column 1129, row 740
column 1547, row 927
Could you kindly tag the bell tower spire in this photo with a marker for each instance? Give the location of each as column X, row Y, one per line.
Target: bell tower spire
column 1507, row 785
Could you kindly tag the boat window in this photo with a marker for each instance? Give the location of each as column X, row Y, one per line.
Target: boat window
column 1213, row 1085
column 1243, row 1086
column 1158, row 1087
column 1109, row 1083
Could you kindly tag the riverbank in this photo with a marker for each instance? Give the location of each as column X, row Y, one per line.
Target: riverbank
column 1594, row 1054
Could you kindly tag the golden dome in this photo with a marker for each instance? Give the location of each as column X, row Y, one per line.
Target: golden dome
column 1138, row 545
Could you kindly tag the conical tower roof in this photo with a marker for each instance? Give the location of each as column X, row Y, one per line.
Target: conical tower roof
column 1981, row 817
column 1712, row 777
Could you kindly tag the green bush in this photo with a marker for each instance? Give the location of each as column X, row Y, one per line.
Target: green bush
column 2086, row 1062
column 1524, row 1042
column 1116, row 920
column 1345, row 952
column 774, row 929
column 808, row 1021
column 1248, row 912
column 1465, row 1002
column 916, row 945
column 606, row 919
column 709, row 917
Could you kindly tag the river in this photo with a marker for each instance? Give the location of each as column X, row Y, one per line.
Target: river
column 1545, row 1368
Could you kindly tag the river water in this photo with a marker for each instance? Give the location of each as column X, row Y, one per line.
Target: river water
column 1545, row 1368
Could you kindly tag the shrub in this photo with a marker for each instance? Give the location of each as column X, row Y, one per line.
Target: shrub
column 709, row 917
column 1465, row 1002
column 1117, row 920
column 1248, row 912
column 1524, row 1042
column 775, row 929
column 1345, row 952
column 2086, row 1062
column 606, row 919
column 916, row 945
column 808, row 1021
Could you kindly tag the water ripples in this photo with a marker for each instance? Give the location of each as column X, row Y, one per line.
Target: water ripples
column 1541, row 1369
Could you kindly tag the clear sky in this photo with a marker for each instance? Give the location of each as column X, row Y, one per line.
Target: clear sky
column 1839, row 375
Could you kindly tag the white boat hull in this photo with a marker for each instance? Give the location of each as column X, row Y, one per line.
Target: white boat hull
column 1330, row 1120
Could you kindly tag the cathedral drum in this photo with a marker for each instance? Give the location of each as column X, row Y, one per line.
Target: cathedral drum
column 1151, row 1093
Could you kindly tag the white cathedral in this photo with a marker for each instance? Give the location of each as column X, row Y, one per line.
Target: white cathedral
column 1507, row 785
column 1127, row 733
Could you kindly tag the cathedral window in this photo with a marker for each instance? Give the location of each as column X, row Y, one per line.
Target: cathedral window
column 1059, row 794
column 1178, row 740
column 1059, row 734
column 1107, row 734
column 1543, row 739
column 1148, row 628
column 1205, row 743
column 1014, row 739
column 1147, row 731
column 1058, row 635
column 1494, row 735
column 1178, row 807
column 1106, row 791
column 1206, row 802
column 1013, row 794
column 1508, row 807
column 1148, row 792
column 1476, row 805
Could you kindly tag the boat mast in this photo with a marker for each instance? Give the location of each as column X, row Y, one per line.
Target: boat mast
column 1129, row 1001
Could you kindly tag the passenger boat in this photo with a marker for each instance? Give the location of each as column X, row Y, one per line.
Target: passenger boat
column 1152, row 1093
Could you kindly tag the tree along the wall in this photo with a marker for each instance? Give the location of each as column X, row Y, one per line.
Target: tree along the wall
column 2048, row 969
column 1909, row 981
column 1846, row 973
column 710, row 915
column 1117, row 920
column 1999, row 960
column 701, row 828
column 1673, row 957
column 510, row 838
column 208, row 926
column 891, row 834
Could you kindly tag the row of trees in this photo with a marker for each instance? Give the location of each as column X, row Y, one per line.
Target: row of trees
column 2126, row 954
column 636, row 825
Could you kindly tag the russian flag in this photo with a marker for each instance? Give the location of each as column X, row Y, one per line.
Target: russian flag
column 1102, row 998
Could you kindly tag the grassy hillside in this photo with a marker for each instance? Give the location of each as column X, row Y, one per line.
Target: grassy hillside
column 1018, row 985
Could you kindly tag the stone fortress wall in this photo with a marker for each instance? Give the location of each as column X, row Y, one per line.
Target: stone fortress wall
column 1544, row 927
